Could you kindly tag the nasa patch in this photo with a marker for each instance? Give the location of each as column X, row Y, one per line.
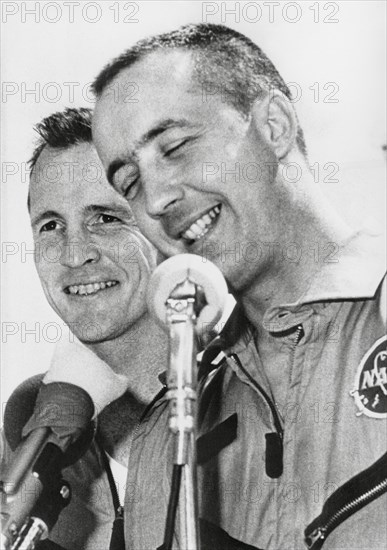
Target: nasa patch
column 370, row 392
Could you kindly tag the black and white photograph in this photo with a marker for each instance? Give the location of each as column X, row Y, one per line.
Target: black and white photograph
column 193, row 275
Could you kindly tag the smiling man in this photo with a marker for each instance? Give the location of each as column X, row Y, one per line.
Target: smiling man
column 89, row 253
column 94, row 266
column 212, row 159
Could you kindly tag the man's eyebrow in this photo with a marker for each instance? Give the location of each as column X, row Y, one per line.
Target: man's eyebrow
column 161, row 127
column 44, row 215
column 150, row 135
column 100, row 208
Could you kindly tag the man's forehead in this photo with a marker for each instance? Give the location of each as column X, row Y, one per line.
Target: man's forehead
column 62, row 173
column 168, row 65
column 131, row 102
column 56, row 163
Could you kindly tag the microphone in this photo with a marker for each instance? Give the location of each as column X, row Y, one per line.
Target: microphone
column 77, row 386
column 48, row 424
column 203, row 273
column 187, row 294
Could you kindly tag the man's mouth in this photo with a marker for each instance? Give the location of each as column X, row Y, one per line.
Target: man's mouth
column 202, row 225
column 89, row 288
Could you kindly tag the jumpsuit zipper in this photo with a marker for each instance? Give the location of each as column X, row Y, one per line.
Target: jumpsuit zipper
column 316, row 538
column 117, row 539
column 299, row 335
column 334, row 513
column 119, row 509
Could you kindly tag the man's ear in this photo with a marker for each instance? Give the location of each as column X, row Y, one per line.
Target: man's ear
column 276, row 120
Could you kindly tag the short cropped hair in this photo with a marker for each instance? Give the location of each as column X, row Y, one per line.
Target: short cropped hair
column 61, row 130
column 222, row 57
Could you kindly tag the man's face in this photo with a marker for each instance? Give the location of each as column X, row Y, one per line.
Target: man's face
column 92, row 261
column 198, row 175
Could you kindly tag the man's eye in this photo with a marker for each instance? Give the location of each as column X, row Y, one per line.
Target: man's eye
column 107, row 218
column 170, row 149
column 49, row 226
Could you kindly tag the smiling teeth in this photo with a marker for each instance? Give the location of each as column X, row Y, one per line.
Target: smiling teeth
column 201, row 226
column 90, row 288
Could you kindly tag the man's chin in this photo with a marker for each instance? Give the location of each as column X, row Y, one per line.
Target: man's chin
column 87, row 330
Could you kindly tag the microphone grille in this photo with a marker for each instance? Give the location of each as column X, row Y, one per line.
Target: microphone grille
column 200, row 271
column 19, row 408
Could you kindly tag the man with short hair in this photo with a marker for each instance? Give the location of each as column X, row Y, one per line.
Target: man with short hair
column 94, row 266
column 292, row 414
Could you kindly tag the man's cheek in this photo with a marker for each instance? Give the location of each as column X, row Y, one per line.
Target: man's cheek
column 50, row 253
column 44, row 266
column 150, row 228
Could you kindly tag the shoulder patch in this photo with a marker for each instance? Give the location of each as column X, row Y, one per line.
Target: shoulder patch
column 370, row 391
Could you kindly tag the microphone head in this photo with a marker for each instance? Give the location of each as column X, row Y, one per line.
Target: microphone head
column 201, row 272
column 19, row 409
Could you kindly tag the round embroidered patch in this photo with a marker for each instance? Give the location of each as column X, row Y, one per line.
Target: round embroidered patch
column 370, row 392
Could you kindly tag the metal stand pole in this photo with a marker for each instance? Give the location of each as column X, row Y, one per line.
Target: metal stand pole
column 181, row 318
column 25, row 527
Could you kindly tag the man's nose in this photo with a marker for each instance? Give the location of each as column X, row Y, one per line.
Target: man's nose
column 78, row 250
column 162, row 191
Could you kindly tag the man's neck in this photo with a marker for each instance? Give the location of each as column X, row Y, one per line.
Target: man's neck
column 302, row 251
column 140, row 354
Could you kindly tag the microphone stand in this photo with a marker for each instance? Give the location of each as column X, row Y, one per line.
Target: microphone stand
column 41, row 520
column 185, row 290
column 183, row 306
column 31, row 505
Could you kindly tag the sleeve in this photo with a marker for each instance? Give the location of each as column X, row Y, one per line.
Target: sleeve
column 5, row 454
column 383, row 300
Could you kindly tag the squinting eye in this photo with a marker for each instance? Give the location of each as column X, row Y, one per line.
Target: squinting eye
column 49, row 226
column 168, row 151
column 107, row 218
